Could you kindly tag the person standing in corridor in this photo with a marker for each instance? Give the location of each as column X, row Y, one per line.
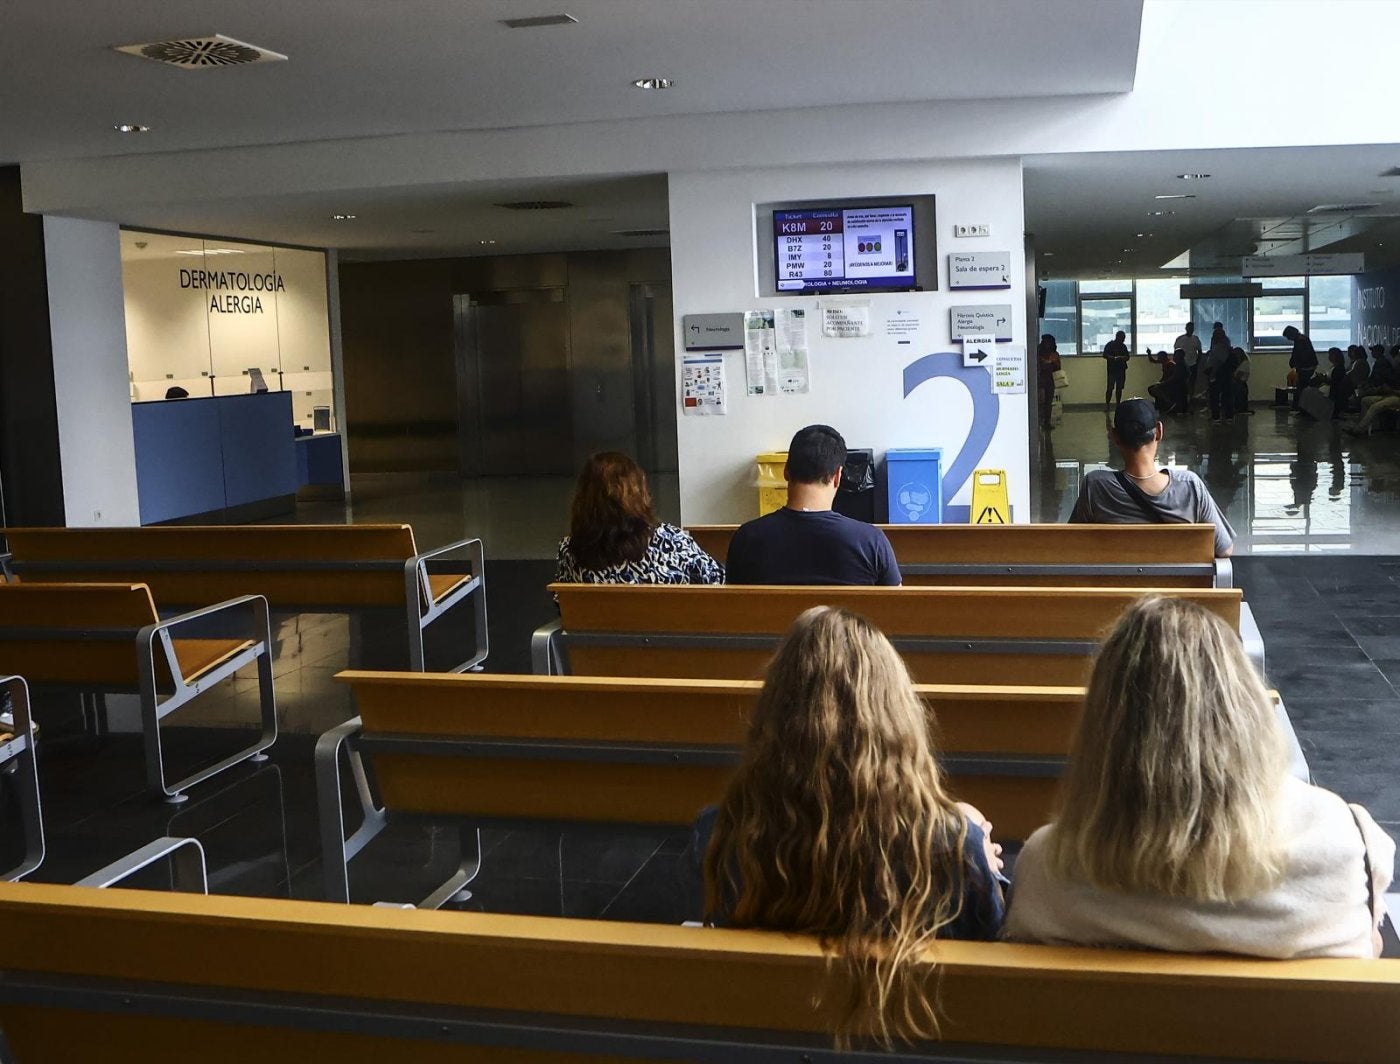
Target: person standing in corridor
column 1303, row 361
column 1115, row 353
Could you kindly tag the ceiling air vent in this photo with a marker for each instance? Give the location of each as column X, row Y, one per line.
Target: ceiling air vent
column 537, row 21
column 641, row 232
column 1343, row 208
column 536, row 205
column 202, row 53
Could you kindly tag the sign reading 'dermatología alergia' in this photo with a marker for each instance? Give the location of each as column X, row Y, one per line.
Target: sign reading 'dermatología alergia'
column 233, row 291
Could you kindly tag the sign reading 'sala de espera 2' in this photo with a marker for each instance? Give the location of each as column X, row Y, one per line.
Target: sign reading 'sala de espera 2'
column 979, row 269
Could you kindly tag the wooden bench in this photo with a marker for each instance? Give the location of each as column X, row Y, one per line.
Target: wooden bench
column 499, row 751
column 554, row 752
column 109, row 637
column 1056, row 555
column 297, row 568
column 123, row 975
column 965, row 635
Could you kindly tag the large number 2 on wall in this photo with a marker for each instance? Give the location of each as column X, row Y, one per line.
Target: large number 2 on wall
column 985, row 411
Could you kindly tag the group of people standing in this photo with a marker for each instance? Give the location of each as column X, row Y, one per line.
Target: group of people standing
column 1222, row 368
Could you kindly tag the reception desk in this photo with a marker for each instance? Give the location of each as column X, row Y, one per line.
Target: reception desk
column 223, row 458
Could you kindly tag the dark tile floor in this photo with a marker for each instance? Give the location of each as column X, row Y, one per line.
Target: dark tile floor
column 1331, row 626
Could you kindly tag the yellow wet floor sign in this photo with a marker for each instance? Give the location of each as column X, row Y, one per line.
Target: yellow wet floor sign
column 990, row 505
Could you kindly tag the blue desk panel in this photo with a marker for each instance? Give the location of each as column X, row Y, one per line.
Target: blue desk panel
column 260, row 461
column 318, row 460
column 179, row 465
column 200, row 456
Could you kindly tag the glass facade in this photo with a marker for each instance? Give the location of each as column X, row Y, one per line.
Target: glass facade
column 1083, row 315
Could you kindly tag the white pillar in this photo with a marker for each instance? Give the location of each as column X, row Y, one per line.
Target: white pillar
column 87, row 322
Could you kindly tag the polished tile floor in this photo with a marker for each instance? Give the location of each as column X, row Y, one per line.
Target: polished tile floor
column 1318, row 519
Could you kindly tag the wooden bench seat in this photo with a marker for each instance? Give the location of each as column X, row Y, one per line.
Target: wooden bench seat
column 300, row 568
column 126, row 976
column 556, row 752
column 109, row 637
column 1040, row 555
column 970, row 635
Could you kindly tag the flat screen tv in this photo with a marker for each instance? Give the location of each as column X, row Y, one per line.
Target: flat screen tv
column 844, row 249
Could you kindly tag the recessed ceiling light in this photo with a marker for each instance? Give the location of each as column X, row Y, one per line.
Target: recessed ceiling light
column 537, row 21
column 344, row 217
column 488, row 241
column 1127, row 250
column 1048, row 254
column 1193, row 177
column 131, row 127
column 1158, row 214
column 655, row 82
column 1178, row 195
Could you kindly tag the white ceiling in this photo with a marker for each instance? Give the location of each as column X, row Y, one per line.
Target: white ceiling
column 1087, row 210
column 371, row 67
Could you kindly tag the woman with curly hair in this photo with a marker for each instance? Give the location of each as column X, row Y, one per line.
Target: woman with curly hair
column 837, row 824
column 615, row 538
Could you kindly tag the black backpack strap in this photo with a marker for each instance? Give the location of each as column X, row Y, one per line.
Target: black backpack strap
column 1144, row 501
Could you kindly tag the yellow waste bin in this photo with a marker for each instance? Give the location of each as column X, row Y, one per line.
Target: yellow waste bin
column 772, row 488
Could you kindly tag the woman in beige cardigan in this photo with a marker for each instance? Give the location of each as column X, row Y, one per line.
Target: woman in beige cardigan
column 1181, row 827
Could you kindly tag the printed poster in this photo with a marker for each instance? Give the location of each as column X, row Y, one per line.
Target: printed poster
column 702, row 384
column 760, row 352
column 794, row 365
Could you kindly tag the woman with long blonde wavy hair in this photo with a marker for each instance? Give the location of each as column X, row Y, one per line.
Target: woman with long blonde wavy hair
column 837, row 824
column 1181, row 827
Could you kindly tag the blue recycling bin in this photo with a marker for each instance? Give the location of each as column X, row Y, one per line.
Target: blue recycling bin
column 914, row 482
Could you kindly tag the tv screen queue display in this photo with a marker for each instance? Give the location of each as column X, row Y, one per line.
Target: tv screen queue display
column 844, row 249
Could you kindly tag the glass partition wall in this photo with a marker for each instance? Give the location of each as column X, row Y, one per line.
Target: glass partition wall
column 221, row 317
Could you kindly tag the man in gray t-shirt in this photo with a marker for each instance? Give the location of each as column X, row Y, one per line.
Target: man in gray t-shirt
column 1163, row 496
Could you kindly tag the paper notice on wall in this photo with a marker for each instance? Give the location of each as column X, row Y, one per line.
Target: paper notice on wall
column 902, row 322
column 702, row 384
column 760, row 352
column 1009, row 371
column 846, row 319
column 794, row 366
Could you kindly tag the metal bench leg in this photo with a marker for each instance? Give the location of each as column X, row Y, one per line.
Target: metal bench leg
column 336, row 848
column 23, row 769
column 455, row 888
column 544, row 651
column 189, row 874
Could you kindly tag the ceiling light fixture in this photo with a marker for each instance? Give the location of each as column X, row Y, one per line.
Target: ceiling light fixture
column 131, row 127
column 488, row 241
column 654, row 82
column 344, row 217
column 1178, row 195
column 537, row 21
column 1158, row 214
column 1193, row 177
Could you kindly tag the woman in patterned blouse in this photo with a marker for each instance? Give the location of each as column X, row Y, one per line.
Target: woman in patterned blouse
column 614, row 538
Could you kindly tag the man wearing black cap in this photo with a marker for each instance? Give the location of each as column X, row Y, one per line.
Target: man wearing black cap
column 1145, row 492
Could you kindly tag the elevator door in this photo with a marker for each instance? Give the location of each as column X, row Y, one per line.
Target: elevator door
column 654, row 376
column 514, row 412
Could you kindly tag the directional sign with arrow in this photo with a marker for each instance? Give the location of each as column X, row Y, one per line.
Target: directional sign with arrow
column 992, row 320
column 976, row 349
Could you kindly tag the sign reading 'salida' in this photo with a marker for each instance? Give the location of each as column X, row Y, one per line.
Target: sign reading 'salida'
column 234, row 291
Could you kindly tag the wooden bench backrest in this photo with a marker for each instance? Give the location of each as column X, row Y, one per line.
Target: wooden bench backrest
column 1110, row 1002
column 1012, row 545
column 982, row 614
column 186, row 564
column 63, row 654
column 1005, row 721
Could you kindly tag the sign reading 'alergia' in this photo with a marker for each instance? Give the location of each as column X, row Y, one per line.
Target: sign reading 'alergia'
column 235, row 291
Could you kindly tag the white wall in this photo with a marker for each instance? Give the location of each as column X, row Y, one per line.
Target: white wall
column 857, row 384
column 86, row 322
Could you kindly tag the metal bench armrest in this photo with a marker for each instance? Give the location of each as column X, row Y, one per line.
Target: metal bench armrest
column 19, row 759
column 546, row 658
column 337, row 848
column 423, row 610
column 258, row 631
column 190, row 874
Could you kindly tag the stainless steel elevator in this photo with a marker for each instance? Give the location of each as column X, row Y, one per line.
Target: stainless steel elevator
column 548, row 375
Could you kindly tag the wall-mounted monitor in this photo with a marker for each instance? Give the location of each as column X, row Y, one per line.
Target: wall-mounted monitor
column 828, row 249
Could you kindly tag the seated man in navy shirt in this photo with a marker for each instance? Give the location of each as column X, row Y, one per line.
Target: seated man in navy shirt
column 806, row 542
